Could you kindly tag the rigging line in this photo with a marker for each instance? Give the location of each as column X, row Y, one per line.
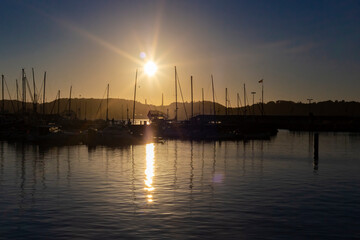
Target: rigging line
column 207, row 102
column 17, row 89
column 97, row 112
column 182, row 97
column 229, row 106
column 17, row 95
column 228, row 100
column 208, row 89
column 240, row 103
column 55, row 101
column 247, row 100
column 31, row 95
column 36, row 95
column 35, row 90
column 12, row 104
column 149, row 105
column 40, row 91
column 218, row 110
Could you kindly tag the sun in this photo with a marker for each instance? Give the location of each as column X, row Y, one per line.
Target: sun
column 150, row 68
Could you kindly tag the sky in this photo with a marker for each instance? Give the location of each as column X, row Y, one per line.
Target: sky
column 302, row 49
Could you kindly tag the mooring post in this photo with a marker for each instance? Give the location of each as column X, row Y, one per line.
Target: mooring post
column 316, row 150
column 316, row 146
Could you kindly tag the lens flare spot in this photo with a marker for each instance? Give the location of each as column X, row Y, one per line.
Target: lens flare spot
column 218, row 178
column 142, row 55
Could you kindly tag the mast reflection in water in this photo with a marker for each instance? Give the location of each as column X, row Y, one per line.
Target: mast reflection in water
column 149, row 171
column 183, row 190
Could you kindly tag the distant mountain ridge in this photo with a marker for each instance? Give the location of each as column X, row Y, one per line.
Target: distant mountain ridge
column 122, row 108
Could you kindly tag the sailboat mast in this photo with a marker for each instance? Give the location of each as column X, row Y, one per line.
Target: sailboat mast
column 237, row 102
column 85, row 109
column 262, row 97
column 107, row 104
column 213, row 92
column 192, row 97
column 203, row 103
column 44, row 94
column 2, row 95
column 134, row 97
column 58, row 103
column 253, row 106
column 17, row 95
column 244, row 100
column 176, row 108
column 226, row 102
column 34, row 103
column 23, row 79
column 70, row 100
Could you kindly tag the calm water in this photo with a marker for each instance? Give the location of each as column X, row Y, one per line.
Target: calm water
column 182, row 189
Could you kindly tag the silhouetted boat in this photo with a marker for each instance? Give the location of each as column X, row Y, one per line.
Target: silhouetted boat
column 53, row 135
column 114, row 135
column 209, row 127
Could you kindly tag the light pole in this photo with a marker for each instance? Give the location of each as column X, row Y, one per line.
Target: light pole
column 253, row 107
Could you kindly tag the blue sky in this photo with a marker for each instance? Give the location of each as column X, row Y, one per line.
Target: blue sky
column 302, row 49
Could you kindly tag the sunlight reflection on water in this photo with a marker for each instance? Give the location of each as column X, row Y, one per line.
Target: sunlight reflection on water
column 149, row 171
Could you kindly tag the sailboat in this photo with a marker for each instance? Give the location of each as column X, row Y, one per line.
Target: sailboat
column 114, row 134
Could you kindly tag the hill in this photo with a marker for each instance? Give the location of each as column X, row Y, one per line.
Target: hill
column 122, row 108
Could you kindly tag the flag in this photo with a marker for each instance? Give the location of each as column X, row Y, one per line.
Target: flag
column 261, row 80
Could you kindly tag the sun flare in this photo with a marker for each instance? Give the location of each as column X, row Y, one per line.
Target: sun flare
column 150, row 68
